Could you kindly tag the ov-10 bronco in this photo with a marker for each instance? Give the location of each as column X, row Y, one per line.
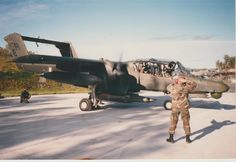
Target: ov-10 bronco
column 107, row 80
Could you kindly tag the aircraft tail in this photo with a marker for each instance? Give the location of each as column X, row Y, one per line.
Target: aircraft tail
column 16, row 45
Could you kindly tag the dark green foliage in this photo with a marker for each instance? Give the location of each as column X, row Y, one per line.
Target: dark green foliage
column 5, row 64
column 13, row 80
column 228, row 63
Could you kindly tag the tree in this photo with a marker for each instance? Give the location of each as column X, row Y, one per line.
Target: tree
column 5, row 64
column 229, row 62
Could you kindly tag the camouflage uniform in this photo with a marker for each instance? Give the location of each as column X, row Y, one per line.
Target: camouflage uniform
column 179, row 93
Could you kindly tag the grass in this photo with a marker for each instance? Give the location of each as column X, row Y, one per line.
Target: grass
column 13, row 93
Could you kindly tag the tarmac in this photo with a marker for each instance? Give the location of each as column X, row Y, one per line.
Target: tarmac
column 53, row 127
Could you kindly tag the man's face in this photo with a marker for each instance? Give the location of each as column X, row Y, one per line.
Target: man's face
column 181, row 81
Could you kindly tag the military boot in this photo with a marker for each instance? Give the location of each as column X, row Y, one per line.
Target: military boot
column 188, row 140
column 171, row 138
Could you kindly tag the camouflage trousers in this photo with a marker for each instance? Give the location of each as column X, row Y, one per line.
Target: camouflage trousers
column 184, row 112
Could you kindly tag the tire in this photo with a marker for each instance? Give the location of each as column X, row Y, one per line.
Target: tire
column 167, row 104
column 85, row 104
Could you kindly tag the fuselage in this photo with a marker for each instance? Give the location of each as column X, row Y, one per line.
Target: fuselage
column 154, row 75
column 121, row 78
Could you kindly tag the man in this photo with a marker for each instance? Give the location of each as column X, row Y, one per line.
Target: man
column 179, row 90
column 25, row 96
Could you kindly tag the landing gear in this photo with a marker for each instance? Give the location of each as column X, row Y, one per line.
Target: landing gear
column 87, row 104
column 167, row 104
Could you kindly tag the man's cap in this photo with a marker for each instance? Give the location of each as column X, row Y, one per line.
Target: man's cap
column 179, row 79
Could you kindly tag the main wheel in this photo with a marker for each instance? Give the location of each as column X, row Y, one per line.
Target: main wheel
column 85, row 104
column 167, row 104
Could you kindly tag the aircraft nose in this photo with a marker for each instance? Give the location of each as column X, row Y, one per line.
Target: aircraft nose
column 211, row 86
column 224, row 87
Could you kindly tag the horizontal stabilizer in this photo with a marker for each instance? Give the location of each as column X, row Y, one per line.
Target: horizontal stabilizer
column 66, row 49
column 17, row 46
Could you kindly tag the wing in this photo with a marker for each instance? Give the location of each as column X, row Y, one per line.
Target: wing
column 64, row 63
column 79, row 72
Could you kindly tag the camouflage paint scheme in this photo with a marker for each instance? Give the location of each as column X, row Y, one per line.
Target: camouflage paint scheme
column 108, row 80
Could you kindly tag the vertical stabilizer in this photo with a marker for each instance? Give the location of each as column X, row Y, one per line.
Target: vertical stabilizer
column 16, row 45
column 73, row 52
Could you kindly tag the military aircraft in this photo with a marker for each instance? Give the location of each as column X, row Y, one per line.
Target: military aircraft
column 107, row 80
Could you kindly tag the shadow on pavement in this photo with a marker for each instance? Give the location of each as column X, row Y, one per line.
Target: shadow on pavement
column 33, row 126
column 214, row 105
column 208, row 130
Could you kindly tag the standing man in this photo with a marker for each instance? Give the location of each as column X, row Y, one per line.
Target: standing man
column 179, row 90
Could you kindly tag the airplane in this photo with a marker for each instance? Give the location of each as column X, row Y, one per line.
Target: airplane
column 108, row 80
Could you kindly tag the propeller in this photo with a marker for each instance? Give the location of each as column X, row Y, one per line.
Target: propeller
column 117, row 72
column 120, row 60
column 120, row 73
column 117, row 67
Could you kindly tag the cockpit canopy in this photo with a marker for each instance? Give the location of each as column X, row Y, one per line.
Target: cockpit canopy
column 164, row 68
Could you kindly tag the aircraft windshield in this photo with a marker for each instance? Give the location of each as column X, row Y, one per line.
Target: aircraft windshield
column 182, row 68
column 159, row 67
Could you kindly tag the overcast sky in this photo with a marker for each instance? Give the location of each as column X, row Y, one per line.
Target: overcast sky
column 195, row 32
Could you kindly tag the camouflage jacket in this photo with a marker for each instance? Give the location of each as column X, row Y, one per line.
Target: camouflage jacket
column 179, row 93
